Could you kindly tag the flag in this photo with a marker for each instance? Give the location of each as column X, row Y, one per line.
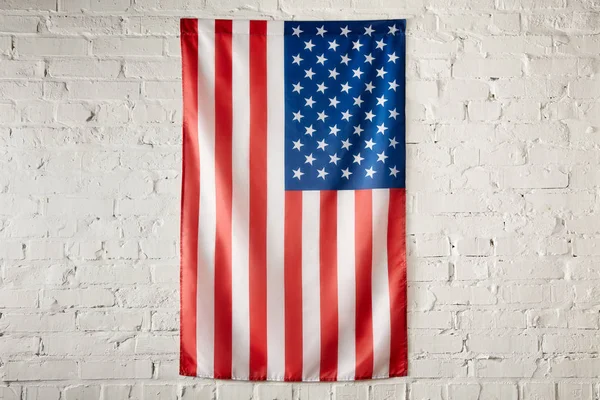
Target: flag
column 293, row 260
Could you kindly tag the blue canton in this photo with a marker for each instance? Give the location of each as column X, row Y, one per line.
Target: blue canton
column 344, row 105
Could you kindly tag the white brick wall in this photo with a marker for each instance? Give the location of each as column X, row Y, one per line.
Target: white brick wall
column 503, row 134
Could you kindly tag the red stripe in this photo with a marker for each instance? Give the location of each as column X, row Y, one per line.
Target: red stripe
column 293, row 285
column 190, row 196
column 258, row 200
column 364, row 266
column 396, row 248
column 328, row 281
column 223, row 185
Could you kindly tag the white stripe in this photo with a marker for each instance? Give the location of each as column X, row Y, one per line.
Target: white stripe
column 275, row 203
column 346, row 286
column 241, row 200
column 207, row 212
column 311, row 311
column 380, row 288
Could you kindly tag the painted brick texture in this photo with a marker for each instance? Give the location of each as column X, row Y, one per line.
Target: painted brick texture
column 503, row 130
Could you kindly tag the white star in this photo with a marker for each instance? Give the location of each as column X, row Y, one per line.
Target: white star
column 357, row 73
column 381, row 157
column 369, row 115
column 321, row 59
column 333, row 130
column 297, row 173
column 381, row 72
column 346, row 87
column 322, row 116
column 358, row 101
column 357, row 159
column 321, row 145
column 333, row 73
column 381, row 129
column 321, row 87
column 308, row 45
column 381, row 100
column 393, row 30
column 357, row 130
column 369, row 30
column 393, row 171
column 369, row 87
column 297, row 87
column 334, row 159
column 393, row 57
column 393, row 113
column 356, row 45
column 346, row 115
column 309, row 73
column 309, row 159
column 321, row 31
column 333, row 45
column 370, row 172
column 369, row 59
column 297, row 31
column 369, row 144
column 322, row 173
column 346, row 173
column 309, row 102
column 309, row 130
column 297, row 144
column 346, row 144
column 393, row 85
column 380, row 44
column 334, row 102
column 345, row 59
column 297, row 59
column 345, row 31
column 393, row 142
column 298, row 116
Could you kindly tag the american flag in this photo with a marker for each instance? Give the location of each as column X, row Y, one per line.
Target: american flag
column 293, row 261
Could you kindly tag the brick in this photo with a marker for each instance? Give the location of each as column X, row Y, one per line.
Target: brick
column 51, row 46
column 153, row 69
column 79, row 206
column 197, row 392
column 505, row 368
column 429, row 319
column 483, row 391
column 502, row 344
column 18, row 298
column 82, row 68
column 127, row 46
column 105, row 90
column 430, row 391
column 158, row 297
column 21, row 90
column 578, row 368
column 46, row 322
column 134, row 369
column 116, row 320
column 82, row 392
column 439, row 368
column 234, row 391
column 486, row 68
column 484, row 110
column 26, row 346
column 94, row 5
column 48, row 370
column 436, row 344
column 21, row 69
column 90, row 297
column 389, row 391
column 574, row 391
